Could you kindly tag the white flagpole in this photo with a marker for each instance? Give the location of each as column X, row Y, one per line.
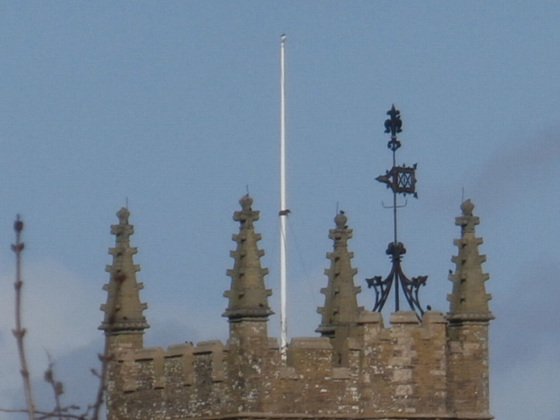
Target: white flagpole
column 283, row 209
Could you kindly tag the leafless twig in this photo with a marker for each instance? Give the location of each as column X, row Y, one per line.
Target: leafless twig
column 60, row 412
column 19, row 331
column 57, row 387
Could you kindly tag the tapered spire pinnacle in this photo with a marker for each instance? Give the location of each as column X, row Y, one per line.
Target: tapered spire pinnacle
column 468, row 300
column 123, row 310
column 341, row 306
column 248, row 297
column 339, row 316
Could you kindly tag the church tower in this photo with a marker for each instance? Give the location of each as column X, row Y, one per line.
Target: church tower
column 422, row 365
column 339, row 316
column 124, row 322
column 468, row 318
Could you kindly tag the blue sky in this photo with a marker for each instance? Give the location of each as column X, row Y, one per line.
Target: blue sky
column 174, row 108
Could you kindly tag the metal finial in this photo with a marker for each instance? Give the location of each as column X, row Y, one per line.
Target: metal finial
column 18, row 224
column 393, row 125
column 401, row 180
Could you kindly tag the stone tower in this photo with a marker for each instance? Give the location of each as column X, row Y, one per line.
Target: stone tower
column 428, row 367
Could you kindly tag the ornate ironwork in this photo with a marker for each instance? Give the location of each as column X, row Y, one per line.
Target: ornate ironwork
column 410, row 287
column 401, row 180
column 393, row 125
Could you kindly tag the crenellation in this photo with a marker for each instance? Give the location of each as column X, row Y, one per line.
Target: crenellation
column 404, row 364
column 150, row 371
column 404, row 318
column 179, row 361
column 127, row 372
column 213, row 351
column 370, row 325
column 310, row 356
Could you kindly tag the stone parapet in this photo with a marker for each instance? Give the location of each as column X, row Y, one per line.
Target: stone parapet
column 392, row 371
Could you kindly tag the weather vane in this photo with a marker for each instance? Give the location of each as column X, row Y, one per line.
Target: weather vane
column 401, row 180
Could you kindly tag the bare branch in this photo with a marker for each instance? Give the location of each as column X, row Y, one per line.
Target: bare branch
column 48, row 414
column 19, row 331
column 57, row 387
column 60, row 412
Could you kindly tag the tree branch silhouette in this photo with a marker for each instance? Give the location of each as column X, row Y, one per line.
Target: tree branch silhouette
column 60, row 412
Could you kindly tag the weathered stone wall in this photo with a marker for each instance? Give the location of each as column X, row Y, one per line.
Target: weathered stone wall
column 411, row 369
column 405, row 366
column 468, row 367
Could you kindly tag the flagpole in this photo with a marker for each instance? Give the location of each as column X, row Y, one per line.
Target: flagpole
column 283, row 208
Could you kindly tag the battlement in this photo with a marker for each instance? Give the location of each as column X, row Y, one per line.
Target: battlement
column 402, row 366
